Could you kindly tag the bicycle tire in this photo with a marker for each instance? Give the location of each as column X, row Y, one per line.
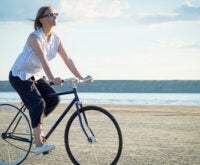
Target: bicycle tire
column 108, row 146
column 14, row 150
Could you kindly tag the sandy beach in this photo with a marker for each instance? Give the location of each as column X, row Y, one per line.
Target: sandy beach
column 152, row 135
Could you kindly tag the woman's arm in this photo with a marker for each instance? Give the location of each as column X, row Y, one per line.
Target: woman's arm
column 68, row 61
column 35, row 44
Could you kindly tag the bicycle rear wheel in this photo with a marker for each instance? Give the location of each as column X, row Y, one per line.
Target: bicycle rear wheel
column 106, row 147
column 16, row 135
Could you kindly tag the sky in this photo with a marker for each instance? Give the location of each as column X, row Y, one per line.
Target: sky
column 112, row 39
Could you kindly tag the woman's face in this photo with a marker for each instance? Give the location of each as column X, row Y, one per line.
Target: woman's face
column 50, row 18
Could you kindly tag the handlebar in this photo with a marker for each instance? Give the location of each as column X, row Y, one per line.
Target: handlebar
column 75, row 80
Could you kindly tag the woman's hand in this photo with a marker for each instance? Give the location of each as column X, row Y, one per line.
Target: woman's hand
column 87, row 79
column 56, row 81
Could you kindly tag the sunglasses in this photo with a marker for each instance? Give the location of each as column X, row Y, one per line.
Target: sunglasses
column 50, row 15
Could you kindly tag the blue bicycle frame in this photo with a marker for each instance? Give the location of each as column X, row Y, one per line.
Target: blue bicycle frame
column 78, row 104
column 75, row 101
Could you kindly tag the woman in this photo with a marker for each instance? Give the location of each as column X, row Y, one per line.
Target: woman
column 26, row 74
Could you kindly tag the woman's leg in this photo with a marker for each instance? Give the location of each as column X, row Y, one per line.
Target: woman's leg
column 51, row 102
column 33, row 101
column 37, row 135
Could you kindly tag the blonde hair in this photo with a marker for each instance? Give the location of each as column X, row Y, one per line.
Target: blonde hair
column 40, row 14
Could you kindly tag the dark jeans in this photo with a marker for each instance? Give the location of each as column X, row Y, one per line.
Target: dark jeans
column 33, row 94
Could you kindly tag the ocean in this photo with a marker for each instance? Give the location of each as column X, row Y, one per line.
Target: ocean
column 186, row 99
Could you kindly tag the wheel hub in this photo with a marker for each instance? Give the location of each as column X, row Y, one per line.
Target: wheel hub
column 3, row 135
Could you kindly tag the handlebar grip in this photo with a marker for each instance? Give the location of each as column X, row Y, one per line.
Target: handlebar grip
column 52, row 83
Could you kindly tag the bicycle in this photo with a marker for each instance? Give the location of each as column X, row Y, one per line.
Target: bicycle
column 97, row 141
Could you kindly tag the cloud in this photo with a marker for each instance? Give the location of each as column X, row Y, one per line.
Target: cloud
column 175, row 44
column 186, row 12
column 194, row 45
column 70, row 10
column 87, row 10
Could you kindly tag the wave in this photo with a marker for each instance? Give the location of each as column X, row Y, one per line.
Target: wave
column 122, row 98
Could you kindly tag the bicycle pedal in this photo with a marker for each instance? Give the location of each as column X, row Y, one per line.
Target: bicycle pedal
column 45, row 153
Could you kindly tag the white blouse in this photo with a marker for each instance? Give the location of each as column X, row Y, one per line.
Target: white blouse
column 27, row 64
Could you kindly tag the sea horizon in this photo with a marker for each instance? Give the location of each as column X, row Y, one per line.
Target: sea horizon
column 127, row 86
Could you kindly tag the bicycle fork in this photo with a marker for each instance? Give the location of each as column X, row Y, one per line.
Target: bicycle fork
column 83, row 121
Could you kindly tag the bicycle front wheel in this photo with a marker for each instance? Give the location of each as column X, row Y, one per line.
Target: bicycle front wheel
column 16, row 135
column 104, row 145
